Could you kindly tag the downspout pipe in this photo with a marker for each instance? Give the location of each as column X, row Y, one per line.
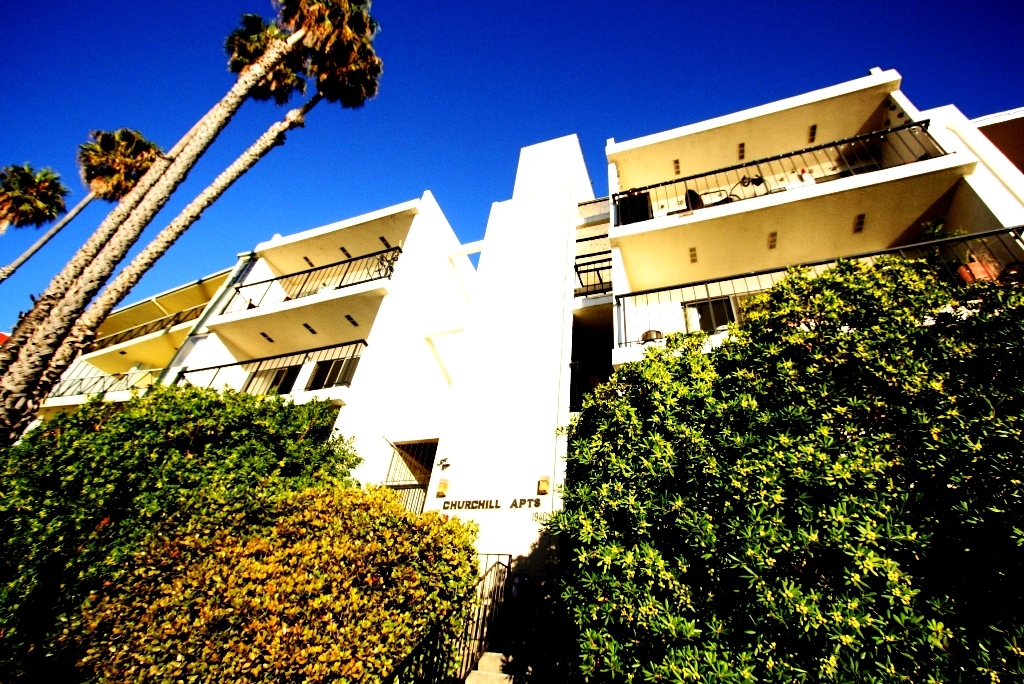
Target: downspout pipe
column 241, row 269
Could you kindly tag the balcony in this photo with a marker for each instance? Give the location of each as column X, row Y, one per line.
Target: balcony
column 861, row 154
column 158, row 325
column 307, row 371
column 593, row 266
column 646, row 317
column 336, row 276
column 104, row 383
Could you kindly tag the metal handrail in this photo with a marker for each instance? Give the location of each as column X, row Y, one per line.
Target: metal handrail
column 347, row 352
column 593, row 275
column 851, row 155
column 314, row 280
column 648, row 315
column 132, row 333
column 434, row 658
column 1015, row 231
column 101, row 383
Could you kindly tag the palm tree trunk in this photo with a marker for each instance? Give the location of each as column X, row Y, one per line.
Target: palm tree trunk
column 35, row 355
column 62, row 282
column 116, row 291
column 8, row 270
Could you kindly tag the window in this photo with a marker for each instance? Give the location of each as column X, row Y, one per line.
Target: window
column 279, row 380
column 336, row 373
column 709, row 316
column 409, row 472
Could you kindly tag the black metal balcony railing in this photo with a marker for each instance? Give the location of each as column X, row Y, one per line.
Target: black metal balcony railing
column 314, row 281
column 101, row 383
column 851, row 156
column 334, row 367
column 711, row 305
column 593, row 274
column 147, row 328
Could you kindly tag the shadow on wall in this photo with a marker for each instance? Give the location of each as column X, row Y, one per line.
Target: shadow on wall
column 535, row 631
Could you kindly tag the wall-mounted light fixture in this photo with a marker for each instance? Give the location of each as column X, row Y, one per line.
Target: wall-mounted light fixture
column 543, row 485
column 442, row 489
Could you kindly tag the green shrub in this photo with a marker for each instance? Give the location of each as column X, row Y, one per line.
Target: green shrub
column 86, row 490
column 834, row 494
column 337, row 591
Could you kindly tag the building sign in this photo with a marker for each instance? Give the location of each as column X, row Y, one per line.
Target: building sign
column 487, row 504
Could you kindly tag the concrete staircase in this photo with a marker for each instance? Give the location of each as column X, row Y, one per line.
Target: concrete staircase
column 489, row 670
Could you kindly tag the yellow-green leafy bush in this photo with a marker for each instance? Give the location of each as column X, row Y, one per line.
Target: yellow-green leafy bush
column 836, row 494
column 85, row 491
column 338, row 590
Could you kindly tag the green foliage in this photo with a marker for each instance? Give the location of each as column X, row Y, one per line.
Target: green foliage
column 248, row 42
column 335, row 591
column 86, row 490
column 29, row 197
column 834, row 494
column 112, row 162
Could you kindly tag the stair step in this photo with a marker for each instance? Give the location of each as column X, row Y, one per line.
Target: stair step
column 492, row 662
column 478, row 677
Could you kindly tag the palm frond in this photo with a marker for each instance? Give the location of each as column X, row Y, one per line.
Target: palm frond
column 339, row 46
column 111, row 163
column 29, row 197
column 248, row 42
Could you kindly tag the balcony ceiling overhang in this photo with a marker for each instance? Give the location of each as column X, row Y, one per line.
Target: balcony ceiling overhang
column 838, row 112
column 322, row 246
column 163, row 304
column 812, row 223
column 155, row 350
column 283, row 323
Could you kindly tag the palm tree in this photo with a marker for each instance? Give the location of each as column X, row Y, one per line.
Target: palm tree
column 29, row 197
column 20, row 389
column 348, row 84
column 132, row 215
column 111, row 165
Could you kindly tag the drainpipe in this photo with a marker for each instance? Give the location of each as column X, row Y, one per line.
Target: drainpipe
column 241, row 269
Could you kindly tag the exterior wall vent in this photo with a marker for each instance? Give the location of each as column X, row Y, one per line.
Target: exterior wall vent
column 858, row 223
column 387, row 245
column 267, row 337
column 743, row 151
column 308, row 262
column 351, row 320
column 693, row 255
column 773, row 239
column 675, row 166
column 308, row 327
column 813, row 133
column 345, row 252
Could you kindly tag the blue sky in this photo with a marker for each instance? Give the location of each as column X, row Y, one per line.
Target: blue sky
column 466, row 84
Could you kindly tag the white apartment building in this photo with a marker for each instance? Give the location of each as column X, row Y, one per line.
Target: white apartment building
column 454, row 382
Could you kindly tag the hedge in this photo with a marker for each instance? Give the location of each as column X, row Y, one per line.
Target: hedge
column 339, row 590
column 834, row 494
column 85, row 491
